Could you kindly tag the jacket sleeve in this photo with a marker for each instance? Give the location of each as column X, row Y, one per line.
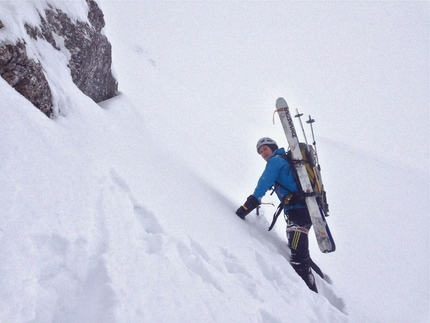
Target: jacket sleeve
column 269, row 176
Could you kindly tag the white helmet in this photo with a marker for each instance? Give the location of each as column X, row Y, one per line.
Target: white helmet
column 266, row 141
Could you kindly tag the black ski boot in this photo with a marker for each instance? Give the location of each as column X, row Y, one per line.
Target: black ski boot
column 304, row 271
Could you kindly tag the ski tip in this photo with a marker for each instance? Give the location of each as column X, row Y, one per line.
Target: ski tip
column 281, row 103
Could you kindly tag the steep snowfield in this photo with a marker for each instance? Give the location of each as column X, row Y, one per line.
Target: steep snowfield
column 96, row 228
column 108, row 216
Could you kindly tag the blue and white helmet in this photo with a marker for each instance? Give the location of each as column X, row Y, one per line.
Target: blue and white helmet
column 266, row 141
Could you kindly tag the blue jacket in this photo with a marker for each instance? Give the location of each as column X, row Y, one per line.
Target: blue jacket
column 277, row 173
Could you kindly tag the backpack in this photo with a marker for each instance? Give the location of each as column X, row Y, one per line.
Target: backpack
column 313, row 169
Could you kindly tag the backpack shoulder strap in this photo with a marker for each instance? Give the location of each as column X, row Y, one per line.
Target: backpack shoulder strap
column 287, row 157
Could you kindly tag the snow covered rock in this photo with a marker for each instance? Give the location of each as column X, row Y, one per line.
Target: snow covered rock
column 80, row 38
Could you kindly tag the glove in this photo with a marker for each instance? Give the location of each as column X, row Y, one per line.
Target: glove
column 250, row 204
column 293, row 199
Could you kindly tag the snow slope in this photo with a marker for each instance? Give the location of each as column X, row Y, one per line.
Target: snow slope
column 108, row 216
column 80, row 245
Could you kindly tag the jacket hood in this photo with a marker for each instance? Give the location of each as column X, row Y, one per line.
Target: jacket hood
column 277, row 152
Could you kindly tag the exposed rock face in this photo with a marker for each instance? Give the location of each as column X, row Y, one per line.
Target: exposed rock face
column 90, row 61
column 26, row 76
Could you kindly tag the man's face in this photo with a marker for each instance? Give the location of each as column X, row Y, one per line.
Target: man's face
column 265, row 152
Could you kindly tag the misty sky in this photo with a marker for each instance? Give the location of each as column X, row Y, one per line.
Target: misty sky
column 362, row 68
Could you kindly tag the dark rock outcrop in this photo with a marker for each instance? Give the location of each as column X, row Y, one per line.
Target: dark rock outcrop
column 90, row 62
column 26, row 76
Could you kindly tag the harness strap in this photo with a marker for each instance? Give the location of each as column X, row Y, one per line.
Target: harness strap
column 298, row 229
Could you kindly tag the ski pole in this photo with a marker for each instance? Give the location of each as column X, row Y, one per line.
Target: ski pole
column 310, row 122
column 298, row 115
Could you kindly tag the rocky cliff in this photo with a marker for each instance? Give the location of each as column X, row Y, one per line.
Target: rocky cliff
column 89, row 53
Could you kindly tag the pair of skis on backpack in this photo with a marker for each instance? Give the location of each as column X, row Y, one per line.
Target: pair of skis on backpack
column 305, row 160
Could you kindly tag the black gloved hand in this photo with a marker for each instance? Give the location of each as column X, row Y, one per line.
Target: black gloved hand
column 250, row 204
column 293, row 199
